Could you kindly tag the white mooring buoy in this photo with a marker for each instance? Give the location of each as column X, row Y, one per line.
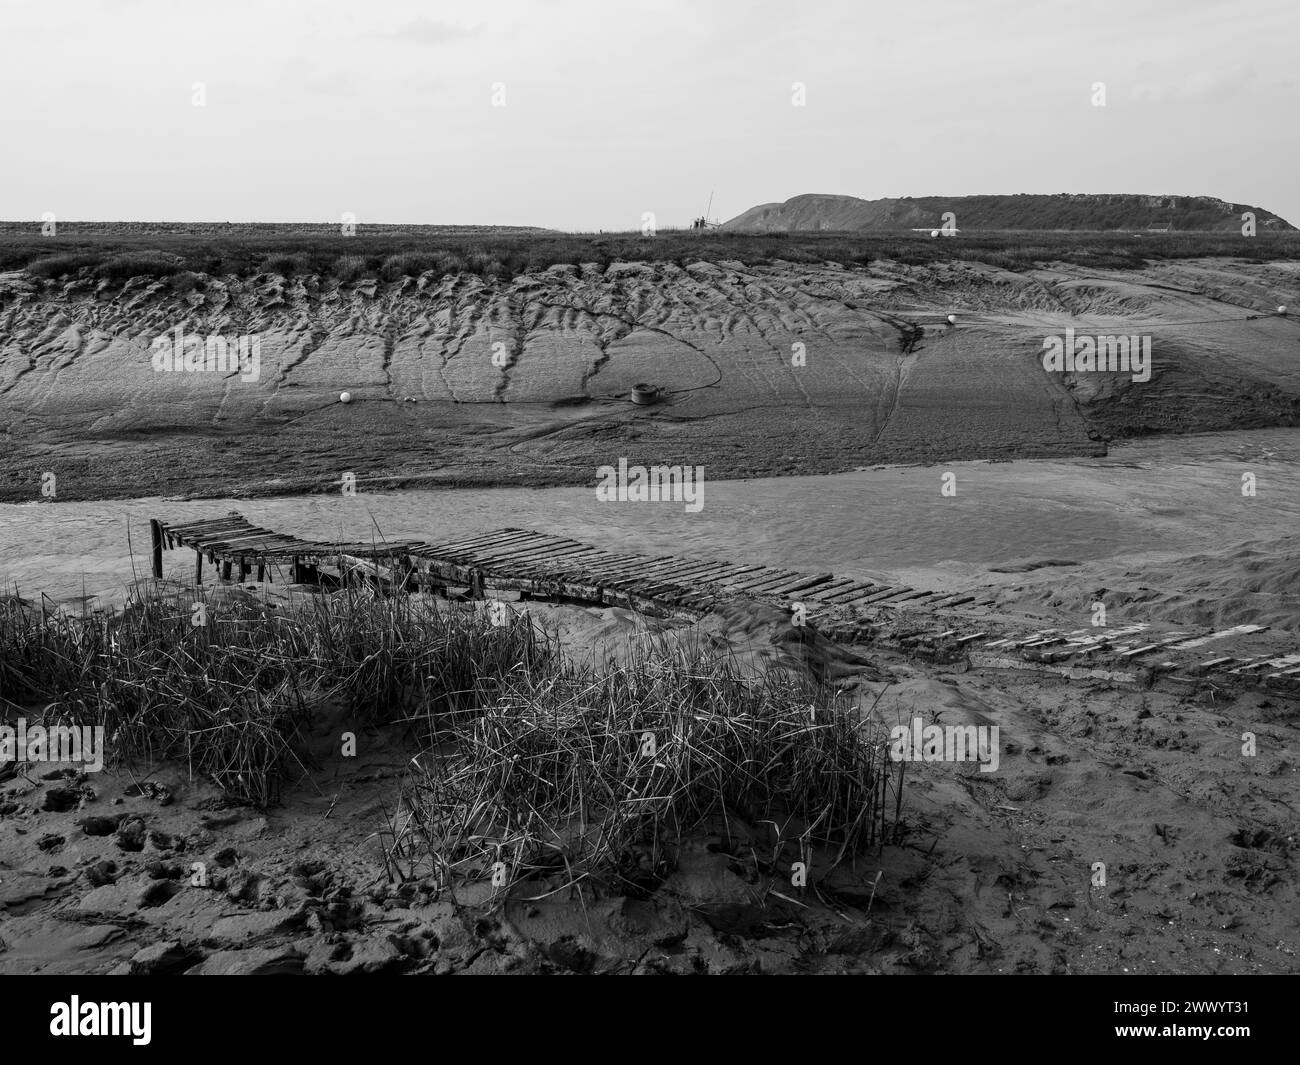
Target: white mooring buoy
column 952, row 319
column 345, row 397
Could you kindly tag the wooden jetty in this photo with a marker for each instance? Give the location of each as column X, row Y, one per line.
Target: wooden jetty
column 535, row 564
column 542, row 565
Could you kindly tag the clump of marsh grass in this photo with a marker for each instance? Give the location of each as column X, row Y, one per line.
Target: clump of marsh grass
column 232, row 695
column 601, row 775
column 385, row 654
column 223, row 696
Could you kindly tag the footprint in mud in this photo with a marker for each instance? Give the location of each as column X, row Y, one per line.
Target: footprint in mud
column 1029, row 786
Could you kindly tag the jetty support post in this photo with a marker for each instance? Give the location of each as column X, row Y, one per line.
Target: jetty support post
column 198, row 566
column 155, row 535
column 405, row 572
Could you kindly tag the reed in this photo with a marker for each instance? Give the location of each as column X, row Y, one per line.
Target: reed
column 234, row 695
column 528, row 763
column 600, row 776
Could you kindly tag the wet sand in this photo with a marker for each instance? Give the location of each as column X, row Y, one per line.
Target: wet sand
column 1150, row 501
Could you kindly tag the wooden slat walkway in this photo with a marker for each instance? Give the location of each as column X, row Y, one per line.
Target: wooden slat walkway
column 541, row 563
column 548, row 565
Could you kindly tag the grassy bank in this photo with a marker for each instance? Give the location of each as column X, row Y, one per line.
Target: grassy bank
column 523, row 758
column 116, row 252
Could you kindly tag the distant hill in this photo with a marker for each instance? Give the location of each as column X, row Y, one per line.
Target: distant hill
column 1063, row 211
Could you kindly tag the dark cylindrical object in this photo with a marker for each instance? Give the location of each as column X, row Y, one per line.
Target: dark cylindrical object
column 155, row 534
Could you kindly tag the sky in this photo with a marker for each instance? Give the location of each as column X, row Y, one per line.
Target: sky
column 589, row 114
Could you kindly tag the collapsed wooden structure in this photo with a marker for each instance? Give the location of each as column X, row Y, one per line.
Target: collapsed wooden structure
column 533, row 563
column 544, row 565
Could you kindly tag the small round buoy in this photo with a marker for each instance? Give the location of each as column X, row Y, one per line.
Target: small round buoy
column 934, row 232
column 952, row 319
column 345, row 397
column 644, row 394
column 1282, row 309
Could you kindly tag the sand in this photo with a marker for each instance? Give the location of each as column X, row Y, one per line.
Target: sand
column 996, row 873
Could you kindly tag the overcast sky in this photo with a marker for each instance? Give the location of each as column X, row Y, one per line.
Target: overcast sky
column 615, row 108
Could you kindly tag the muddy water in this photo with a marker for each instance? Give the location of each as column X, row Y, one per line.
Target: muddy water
column 1149, row 500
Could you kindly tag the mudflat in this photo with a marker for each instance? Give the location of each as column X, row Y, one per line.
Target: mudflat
column 767, row 369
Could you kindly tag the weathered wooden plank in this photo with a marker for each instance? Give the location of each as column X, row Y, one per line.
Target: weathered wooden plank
column 825, row 593
column 239, row 542
column 458, row 548
column 606, row 569
column 521, row 540
column 750, row 573
column 878, row 597
column 582, row 562
column 527, row 553
column 645, row 569
column 593, row 556
column 693, row 570
column 279, row 551
column 1250, row 667
column 926, row 599
column 762, row 580
column 505, row 553
column 657, row 589
column 905, row 596
column 1200, row 641
column 718, row 571
column 524, row 553
column 713, row 581
column 198, row 526
column 217, row 532
column 1046, row 641
column 489, row 536
column 1278, row 663
column 1213, row 663
column 620, row 564
column 845, row 596
column 190, row 539
column 232, row 523
column 953, row 600
column 533, row 542
column 853, row 602
column 803, row 581
column 1174, row 637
